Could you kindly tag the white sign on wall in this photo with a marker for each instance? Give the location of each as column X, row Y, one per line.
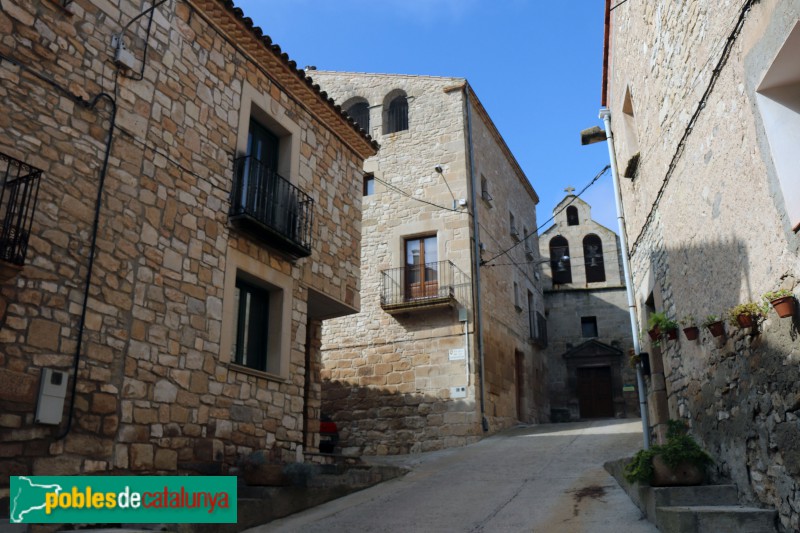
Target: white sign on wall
column 458, row 354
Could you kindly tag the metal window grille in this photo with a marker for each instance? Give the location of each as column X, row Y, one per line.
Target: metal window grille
column 19, row 190
column 398, row 115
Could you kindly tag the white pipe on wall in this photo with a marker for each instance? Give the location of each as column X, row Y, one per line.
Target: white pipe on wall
column 605, row 115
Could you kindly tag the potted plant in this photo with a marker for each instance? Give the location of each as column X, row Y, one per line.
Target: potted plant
column 782, row 301
column 714, row 325
column 653, row 328
column 690, row 328
column 671, row 328
column 745, row 315
column 659, row 324
column 680, row 461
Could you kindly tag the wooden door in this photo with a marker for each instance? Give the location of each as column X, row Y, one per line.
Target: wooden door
column 595, row 393
column 422, row 268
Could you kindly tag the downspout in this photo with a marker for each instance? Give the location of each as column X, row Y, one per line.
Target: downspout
column 476, row 256
column 605, row 115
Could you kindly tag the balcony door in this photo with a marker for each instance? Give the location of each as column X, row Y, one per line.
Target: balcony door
column 259, row 171
column 422, row 268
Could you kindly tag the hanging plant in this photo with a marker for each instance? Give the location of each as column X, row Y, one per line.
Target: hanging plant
column 659, row 325
column 690, row 328
column 746, row 315
column 714, row 325
column 782, row 301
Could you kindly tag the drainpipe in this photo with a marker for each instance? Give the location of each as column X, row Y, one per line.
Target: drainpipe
column 605, row 115
column 476, row 256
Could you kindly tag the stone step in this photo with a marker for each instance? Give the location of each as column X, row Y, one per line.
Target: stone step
column 699, row 495
column 653, row 497
column 715, row 519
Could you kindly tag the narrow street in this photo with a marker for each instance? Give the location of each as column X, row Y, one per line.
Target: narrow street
column 542, row 479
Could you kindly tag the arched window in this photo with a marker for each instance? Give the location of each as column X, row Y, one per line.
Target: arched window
column 360, row 113
column 593, row 259
column 572, row 216
column 559, row 260
column 397, row 115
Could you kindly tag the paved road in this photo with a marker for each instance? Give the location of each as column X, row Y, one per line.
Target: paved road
column 541, row 479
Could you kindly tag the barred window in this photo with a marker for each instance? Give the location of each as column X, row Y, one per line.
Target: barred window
column 397, row 119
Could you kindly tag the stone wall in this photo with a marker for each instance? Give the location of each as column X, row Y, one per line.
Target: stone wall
column 156, row 389
column 388, row 377
column 516, row 389
column 719, row 233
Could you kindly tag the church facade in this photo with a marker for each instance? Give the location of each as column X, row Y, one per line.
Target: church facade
column 588, row 323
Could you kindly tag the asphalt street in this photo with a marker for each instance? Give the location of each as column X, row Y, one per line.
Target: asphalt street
column 543, row 479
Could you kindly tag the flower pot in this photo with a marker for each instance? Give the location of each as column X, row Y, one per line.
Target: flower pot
column 716, row 328
column 685, row 474
column 672, row 334
column 691, row 332
column 745, row 320
column 654, row 333
column 784, row 306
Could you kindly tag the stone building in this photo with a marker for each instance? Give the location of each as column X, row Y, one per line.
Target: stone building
column 587, row 316
column 705, row 115
column 198, row 215
column 406, row 374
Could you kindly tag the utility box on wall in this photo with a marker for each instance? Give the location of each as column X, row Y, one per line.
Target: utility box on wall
column 52, row 391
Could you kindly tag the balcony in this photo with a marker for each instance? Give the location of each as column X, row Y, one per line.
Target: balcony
column 428, row 286
column 270, row 208
column 19, row 189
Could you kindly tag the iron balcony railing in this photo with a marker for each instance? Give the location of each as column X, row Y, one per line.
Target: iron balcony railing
column 428, row 285
column 19, row 189
column 268, row 206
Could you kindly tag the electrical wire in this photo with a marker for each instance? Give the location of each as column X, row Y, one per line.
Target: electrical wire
column 619, row 4
column 447, row 184
column 731, row 40
column 150, row 10
column 572, row 260
column 594, row 180
column 404, row 193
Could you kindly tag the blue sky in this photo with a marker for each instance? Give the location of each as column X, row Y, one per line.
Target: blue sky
column 535, row 65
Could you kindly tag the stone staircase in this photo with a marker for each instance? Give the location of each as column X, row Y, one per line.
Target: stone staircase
column 700, row 509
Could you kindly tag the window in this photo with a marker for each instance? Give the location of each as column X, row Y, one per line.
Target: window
column 360, row 113
column 485, row 191
column 369, row 185
column 513, row 226
column 630, row 136
column 531, row 315
column 778, row 99
column 259, row 167
column 589, row 326
column 527, row 245
column 517, row 299
column 572, row 216
column 265, row 203
column 19, row 190
column 397, row 115
column 422, row 267
column 593, row 258
column 256, row 316
column 559, row 260
column 252, row 325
